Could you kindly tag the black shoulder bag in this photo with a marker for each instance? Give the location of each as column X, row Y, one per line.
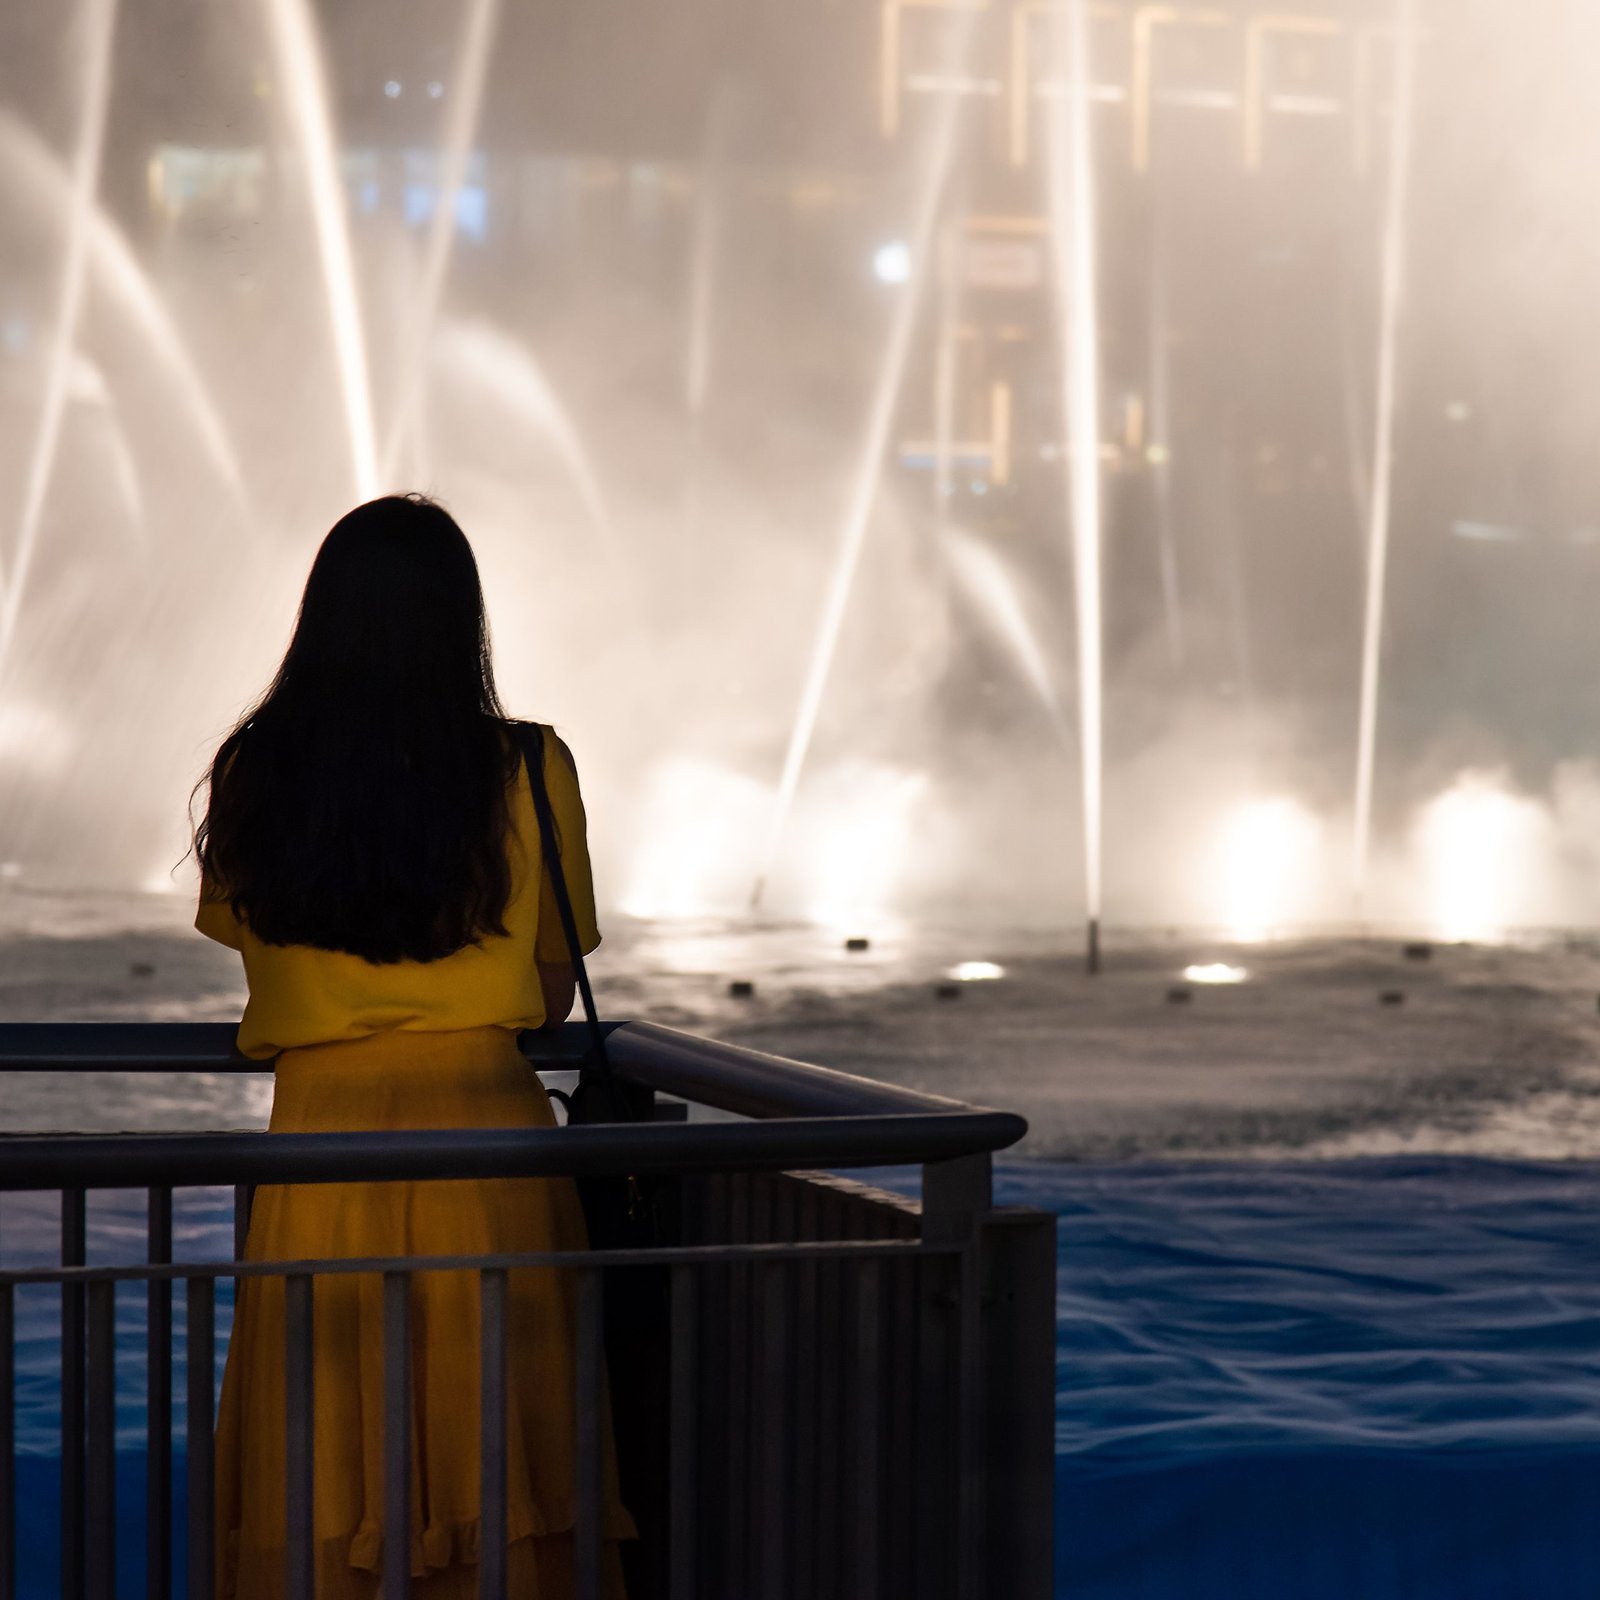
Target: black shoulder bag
column 622, row 1213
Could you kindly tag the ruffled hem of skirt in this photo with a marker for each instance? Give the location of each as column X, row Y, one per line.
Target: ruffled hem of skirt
column 439, row 1546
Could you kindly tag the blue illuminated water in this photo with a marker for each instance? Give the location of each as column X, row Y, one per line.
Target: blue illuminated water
column 1362, row 1379
column 1357, row 1359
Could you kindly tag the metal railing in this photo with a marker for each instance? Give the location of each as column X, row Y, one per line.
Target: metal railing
column 830, row 1391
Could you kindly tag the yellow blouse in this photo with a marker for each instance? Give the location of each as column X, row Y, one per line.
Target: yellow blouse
column 300, row 995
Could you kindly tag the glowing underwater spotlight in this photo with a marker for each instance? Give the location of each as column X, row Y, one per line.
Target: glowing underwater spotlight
column 976, row 971
column 1215, row 972
column 891, row 263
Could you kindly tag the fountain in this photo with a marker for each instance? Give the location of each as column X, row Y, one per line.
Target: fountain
column 199, row 366
column 1072, row 216
column 99, row 24
column 461, row 126
column 857, row 518
column 298, row 61
column 1393, row 287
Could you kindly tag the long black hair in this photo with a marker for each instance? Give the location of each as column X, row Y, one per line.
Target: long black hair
column 362, row 804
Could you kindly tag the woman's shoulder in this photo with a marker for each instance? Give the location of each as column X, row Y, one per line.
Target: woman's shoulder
column 516, row 735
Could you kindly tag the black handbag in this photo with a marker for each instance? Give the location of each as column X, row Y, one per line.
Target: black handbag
column 617, row 1209
column 624, row 1212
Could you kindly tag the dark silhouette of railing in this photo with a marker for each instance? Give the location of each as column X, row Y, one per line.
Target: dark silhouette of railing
column 841, row 1393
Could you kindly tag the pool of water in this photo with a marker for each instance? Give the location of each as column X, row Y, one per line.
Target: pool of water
column 1370, row 1378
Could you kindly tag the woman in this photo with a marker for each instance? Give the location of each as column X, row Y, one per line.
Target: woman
column 370, row 847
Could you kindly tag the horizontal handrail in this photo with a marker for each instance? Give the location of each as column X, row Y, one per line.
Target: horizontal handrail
column 116, row 1161
column 781, row 1253
column 708, row 1071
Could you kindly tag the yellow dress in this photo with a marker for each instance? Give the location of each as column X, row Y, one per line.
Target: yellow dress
column 413, row 1045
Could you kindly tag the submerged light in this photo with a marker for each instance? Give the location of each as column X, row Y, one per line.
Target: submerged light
column 976, row 971
column 1215, row 972
column 891, row 263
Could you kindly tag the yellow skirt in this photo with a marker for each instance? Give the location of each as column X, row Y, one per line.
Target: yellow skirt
column 476, row 1078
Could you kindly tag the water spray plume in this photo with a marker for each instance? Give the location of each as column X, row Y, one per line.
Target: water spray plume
column 98, row 20
column 508, row 372
column 1382, row 484
column 864, row 493
column 115, row 270
column 463, row 115
column 1073, row 224
column 995, row 592
column 300, row 74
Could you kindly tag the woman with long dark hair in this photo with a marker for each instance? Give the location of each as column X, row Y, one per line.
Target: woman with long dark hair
column 370, row 846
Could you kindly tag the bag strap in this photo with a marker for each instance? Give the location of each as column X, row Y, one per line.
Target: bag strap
column 530, row 736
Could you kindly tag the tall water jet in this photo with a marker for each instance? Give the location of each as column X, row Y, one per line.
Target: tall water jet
column 1382, row 479
column 98, row 21
column 1073, row 225
column 464, row 114
column 869, row 468
column 299, row 70
column 1160, row 447
column 115, row 270
column 704, row 240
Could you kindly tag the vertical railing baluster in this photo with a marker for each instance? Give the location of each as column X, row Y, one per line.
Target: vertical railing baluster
column 866, row 1447
column 158, row 1402
column 396, row 1435
column 100, row 1545
column 299, row 1441
column 202, row 1369
column 716, row 1332
column 492, row 1292
column 8, row 1442
column 74, row 1229
column 683, row 1424
column 806, row 1458
column 969, row 1441
column 900, row 1337
column 773, row 1358
column 244, row 1198
column 590, row 1457
column 832, row 1382
column 737, row 1514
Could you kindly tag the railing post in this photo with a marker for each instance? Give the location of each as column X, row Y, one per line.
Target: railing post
column 8, row 1443
column 299, row 1493
column 396, row 1435
column 100, row 1543
column 955, row 1194
column 589, row 1461
column 158, row 1411
column 683, row 1427
column 74, row 1229
column 492, row 1295
column 200, row 1328
column 1019, row 1359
